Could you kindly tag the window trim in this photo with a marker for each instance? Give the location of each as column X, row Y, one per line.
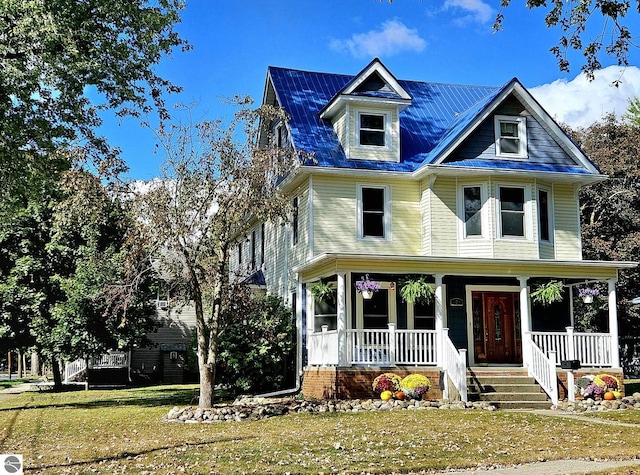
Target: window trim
column 386, row 221
column 295, row 220
column 484, row 220
column 521, row 121
column 386, row 117
column 550, row 219
column 527, row 213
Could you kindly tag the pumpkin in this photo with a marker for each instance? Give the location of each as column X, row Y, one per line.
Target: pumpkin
column 608, row 396
column 386, row 395
column 399, row 395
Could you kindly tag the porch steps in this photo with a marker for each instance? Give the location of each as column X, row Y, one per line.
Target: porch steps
column 506, row 388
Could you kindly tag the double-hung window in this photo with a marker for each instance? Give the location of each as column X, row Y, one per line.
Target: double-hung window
column 472, row 202
column 511, row 136
column 373, row 212
column 372, row 130
column 294, row 221
column 544, row 215
column 512, row 212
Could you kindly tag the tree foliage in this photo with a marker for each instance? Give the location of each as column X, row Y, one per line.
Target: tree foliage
column 609, row 209
column 257, row 352
column 601, row 21
column 64, row 254
column 62, row 61
column 215, row 177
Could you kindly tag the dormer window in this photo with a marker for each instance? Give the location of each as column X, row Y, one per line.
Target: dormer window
column 511, row 136
column 372, row 130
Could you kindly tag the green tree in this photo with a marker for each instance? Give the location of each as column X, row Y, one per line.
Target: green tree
column 64, row 256
column 215, row 176
column 609, row 209
column 62, row 61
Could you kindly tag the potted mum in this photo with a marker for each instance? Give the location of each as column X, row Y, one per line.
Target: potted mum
column 386, row 384
column 415, row 385
column 367, row 287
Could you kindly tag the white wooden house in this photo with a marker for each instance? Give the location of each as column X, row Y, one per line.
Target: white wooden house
column 474, row 188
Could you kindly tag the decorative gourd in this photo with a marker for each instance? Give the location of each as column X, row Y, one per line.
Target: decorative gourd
column 386, row 395
column 608, row 396
column 617, row 394
column 399, row 395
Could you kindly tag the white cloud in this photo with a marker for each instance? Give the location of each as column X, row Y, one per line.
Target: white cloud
column 476, row 11
column 392, row 38
column 580, row 103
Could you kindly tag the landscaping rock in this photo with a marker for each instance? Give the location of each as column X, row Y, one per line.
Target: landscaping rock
column 591, row 405
column 248, row 408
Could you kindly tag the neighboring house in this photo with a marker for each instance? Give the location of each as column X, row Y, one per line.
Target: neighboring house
column 474, row 188
column 162, row 360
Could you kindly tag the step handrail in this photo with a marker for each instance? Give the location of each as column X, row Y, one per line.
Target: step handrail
column 74, row 368
column 543, row 370
column 454, row 364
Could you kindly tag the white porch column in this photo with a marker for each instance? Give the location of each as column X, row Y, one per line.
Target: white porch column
column 525, row 320
column 441, row 317
column 342, row 320
column 613, row 323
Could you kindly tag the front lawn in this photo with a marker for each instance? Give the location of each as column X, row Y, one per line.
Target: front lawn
column 122, row 431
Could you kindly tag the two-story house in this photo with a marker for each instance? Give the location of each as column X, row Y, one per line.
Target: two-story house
column 473, row 188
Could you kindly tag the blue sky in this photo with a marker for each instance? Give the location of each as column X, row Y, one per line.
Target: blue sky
column 448, row 41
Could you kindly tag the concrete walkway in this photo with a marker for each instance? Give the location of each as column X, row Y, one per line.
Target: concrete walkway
column 553, row 467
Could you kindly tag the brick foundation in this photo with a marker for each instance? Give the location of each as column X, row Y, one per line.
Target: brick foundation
column 330, row 382
column 355, row 382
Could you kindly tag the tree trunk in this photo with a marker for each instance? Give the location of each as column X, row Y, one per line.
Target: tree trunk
column 20, row 372
column 57, row 378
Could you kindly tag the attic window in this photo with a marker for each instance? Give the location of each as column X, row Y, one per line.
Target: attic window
column 511, row 136
column 372, row 130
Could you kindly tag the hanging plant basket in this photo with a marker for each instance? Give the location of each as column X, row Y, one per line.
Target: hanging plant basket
column 587, row 294
column 323, row 291
column 367, row 287
column 416, row 290
column 548, row 293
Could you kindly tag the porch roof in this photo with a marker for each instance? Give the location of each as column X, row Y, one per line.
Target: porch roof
column 333, row 263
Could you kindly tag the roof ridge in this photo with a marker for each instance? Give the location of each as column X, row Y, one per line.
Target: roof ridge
column 413, row 81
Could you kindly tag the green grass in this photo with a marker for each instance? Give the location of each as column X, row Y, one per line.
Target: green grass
column 122, row 431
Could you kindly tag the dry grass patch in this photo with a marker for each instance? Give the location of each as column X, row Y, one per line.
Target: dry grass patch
column 122, row 431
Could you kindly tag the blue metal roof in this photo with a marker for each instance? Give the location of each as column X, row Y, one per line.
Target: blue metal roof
column 437, row 116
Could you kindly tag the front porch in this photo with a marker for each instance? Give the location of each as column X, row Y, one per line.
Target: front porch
column 481, row 314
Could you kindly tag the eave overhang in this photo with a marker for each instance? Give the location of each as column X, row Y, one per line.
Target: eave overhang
column 342, row 263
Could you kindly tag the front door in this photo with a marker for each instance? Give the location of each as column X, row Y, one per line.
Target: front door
column 497, row 327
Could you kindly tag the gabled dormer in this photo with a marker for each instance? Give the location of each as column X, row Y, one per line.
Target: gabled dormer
column 365, row 114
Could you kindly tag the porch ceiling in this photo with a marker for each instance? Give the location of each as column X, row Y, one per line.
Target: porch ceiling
column 329, row 264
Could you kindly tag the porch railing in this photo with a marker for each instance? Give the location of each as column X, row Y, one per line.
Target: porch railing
column 322, row 347
column 116, row 359
column 392, row 347
column 592, row 349
column 543, row 369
